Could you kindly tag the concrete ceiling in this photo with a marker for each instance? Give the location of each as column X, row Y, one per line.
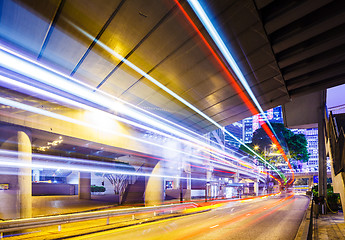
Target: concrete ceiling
column 285, row 49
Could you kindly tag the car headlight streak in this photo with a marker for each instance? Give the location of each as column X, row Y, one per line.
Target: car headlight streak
column 228, row 57
column 167, row 90
column 27, row 67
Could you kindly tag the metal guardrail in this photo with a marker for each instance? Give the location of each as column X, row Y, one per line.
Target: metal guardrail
column 337, row 144
column 311, row 222
column 21, row 224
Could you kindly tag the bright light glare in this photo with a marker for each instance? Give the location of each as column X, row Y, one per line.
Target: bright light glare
column 157, row 83
column 224, row 50
column 222, row 47
column 29, row 67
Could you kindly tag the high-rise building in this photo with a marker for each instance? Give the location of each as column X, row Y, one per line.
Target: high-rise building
column 235, row 129
column 253, row 123
column 247, row 132
column 311, row 134
column 274, row 115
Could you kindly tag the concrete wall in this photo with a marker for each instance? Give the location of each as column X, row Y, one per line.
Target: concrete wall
column 175, row 194
column 44, row 189
column 16, row 202
column 112, row 134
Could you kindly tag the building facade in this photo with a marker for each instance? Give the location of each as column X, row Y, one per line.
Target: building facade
column 311, row 134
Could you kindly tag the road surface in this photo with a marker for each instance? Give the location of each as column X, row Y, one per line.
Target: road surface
column 270, row 218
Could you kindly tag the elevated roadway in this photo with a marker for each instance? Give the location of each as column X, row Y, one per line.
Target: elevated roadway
column 62, row 60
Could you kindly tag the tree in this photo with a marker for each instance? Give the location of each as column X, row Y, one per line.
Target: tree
column 294, row 145
column 120, row 180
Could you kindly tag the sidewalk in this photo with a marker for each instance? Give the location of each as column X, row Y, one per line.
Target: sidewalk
column 65, row 204
column 329, row 226
column 55, row 205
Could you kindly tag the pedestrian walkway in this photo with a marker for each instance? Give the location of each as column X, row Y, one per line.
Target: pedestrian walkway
column 329, row 226
column 55, row 205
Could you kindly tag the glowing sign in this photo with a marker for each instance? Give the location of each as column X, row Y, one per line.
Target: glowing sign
column 4, row 186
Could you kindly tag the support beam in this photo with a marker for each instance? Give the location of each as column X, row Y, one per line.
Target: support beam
column 322, row 152
column 84, row 187
column 256, row 187
column 16, row 202
column 310, row 182
column 154, row 187
column 24, row 175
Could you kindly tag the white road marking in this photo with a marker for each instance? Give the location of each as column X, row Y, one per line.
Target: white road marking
column 214, row 226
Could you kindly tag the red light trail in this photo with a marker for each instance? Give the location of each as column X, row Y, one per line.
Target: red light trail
column 236, row 86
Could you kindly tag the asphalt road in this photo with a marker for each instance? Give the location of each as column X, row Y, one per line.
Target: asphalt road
column 270, row 218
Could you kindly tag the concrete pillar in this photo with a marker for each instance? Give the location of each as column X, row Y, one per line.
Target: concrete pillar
column 256, row 187
column 154, row 187
column 36, row 175
column 24, row 175
column 189, row 181
column 84, row 187
column 188, row 195
column 236, row 177
column 322, row 152
column 310, row 182
column 16, row 202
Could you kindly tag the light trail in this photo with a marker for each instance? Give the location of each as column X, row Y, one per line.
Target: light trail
column 167, row 90
column 78, row 122
column 10, row 162
column 51, row 77
column 25, row 66
column 10, row 159
column 18, row 105
column 225, row 223
column 204, row 19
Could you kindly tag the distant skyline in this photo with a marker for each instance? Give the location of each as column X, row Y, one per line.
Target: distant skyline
column 245, row 128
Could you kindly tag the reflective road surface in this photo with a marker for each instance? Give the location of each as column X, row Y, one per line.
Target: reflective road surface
column 270, row 218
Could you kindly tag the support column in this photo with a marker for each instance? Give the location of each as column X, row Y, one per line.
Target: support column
column 24, row 175
column 256, row 187
column 188, row 194
column 310, row 182
column 84, row 187
column 322, row 152
column 189, row 181
column 236, row 177
column 154, row 187
column 36, row 175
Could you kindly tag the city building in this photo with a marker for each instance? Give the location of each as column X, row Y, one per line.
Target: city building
column 251, row 124
column 274, row 115
column 311, row 135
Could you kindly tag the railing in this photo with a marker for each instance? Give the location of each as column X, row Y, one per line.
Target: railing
column 337, row 144
column 311, row 222
column 22, row 224
column 134, row 178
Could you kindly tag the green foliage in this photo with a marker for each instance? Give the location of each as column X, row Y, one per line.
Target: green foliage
column 315, row 190
column 246, row 150
column 333, row 199
column 95, row 188
column 294, row 144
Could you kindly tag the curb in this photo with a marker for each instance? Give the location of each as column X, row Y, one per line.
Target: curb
column 302, row 232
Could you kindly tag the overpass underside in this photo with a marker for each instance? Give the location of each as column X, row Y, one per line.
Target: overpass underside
column 47, row 155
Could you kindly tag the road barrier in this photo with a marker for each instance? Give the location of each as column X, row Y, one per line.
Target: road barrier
column 28, row 223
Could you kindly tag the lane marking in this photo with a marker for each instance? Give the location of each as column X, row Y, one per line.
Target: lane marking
column 214, row 226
